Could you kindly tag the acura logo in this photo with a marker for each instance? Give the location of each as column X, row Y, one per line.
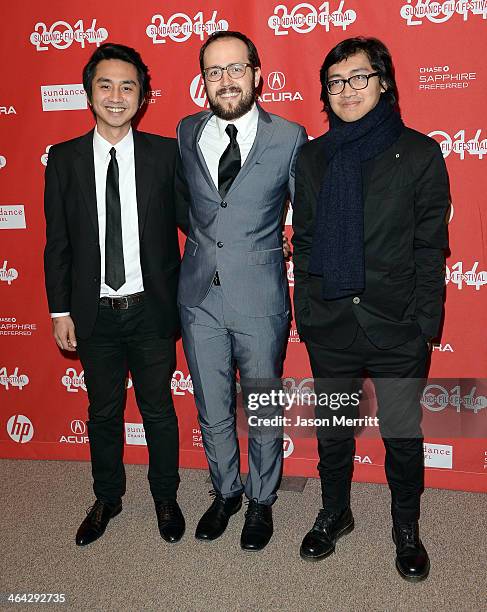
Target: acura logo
column 78, row 427
column 276, row 80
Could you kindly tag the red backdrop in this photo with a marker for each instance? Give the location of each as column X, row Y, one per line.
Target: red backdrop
column 439, row 50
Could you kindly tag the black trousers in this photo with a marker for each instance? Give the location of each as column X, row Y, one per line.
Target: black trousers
column 397, row 374
column 123, row 341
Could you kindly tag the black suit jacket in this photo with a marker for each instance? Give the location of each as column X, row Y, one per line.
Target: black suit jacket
column 406, row 200
column 72, row 254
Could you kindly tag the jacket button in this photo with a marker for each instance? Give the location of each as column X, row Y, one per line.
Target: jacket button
column 356, row 300
column 95, row 280
column 223, row 204
column 219, row 244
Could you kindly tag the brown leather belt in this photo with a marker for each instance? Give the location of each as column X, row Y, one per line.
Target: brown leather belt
column 123, row 302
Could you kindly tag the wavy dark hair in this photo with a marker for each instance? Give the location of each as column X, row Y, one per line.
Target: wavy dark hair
column 109, row 51
column 380, row 60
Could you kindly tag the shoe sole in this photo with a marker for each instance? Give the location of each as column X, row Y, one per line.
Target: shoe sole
column 413, row 578
column 346, row 530
column 206, row 539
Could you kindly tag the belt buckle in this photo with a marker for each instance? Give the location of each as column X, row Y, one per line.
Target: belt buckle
column 124, row 304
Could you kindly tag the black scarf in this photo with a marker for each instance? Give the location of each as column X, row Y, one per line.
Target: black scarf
column 337, row 251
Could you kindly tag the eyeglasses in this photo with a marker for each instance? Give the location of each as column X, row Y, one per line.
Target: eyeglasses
column 234, row 71
column 358, row 81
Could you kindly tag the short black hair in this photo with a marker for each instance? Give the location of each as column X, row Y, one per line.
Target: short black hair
column 254, row 58
column 109, row 51
column 380, row 60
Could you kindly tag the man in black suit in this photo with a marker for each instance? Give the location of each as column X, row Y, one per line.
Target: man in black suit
column 369, row 239
column 111, row 266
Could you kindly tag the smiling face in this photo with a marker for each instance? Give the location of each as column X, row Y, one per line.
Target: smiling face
column 114, row 98
column 353, row 104
column 230, row 98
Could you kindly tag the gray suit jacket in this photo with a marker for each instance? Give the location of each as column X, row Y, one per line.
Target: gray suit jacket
column 242, row 238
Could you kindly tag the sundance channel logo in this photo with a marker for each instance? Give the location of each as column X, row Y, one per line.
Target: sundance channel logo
column 63, row 97
column 12, row 216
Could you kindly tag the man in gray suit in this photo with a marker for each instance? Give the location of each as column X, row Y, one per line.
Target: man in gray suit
column 233, row 295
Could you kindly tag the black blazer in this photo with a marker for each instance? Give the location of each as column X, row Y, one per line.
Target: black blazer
column 406, row 200
column 72, row 254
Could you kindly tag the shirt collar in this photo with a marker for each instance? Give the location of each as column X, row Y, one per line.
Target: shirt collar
column 124, row 148
column 245, row 124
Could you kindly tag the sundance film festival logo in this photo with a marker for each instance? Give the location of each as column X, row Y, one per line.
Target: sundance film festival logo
column 415, row 11
column 456, row 275
column 12, row 216
column 180, row 27
column 8, row 275
column 14, row 380
column 276, row 82
column 61, row 35
column 3, row 161
column 72, row 381
column 290, row 273
column 460, row 144
column 197, row 91
column 63, row 97
column 45, row 156
column 305, row 17
column 20, row 429
column 437, row 397
column 181, row 384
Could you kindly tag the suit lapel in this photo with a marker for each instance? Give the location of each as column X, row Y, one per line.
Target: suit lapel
column 85, row 169
column 144, row 174
column 265, row 130
column 197, row 131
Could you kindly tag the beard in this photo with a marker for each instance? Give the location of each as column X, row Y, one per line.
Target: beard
column 230, row 114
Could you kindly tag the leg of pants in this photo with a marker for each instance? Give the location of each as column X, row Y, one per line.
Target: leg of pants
column 335, row 371
column 152, row 361
column 216, row 340
column 104, row 361
column 398, row 374
column 123, row 340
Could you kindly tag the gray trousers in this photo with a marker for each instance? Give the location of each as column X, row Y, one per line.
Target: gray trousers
column 217, row 340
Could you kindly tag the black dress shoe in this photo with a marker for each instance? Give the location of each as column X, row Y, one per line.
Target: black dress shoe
column 215, row 520
column 412, row 561
column 321, row 540
column 170, row 520
column 96, row 522
column 258, row 527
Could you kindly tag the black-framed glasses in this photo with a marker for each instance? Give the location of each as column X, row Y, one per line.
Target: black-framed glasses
column 357, row 81
column 234, row 71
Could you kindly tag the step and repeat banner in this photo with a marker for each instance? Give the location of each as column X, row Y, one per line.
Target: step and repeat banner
column 439, row 49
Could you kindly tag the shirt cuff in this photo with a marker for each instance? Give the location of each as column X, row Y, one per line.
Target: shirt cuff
column 55, row 315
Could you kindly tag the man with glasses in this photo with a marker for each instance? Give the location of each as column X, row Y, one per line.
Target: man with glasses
column 369, row 239
column 239, row 165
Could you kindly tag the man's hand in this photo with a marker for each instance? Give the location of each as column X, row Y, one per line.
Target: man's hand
column 63, row 332
column 286, row 247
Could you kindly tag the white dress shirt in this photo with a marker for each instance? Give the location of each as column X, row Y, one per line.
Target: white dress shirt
column 214, row 140
column 128, row 203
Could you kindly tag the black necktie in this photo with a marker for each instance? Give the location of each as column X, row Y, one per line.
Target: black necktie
column 230, row 162
column 114, row 266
